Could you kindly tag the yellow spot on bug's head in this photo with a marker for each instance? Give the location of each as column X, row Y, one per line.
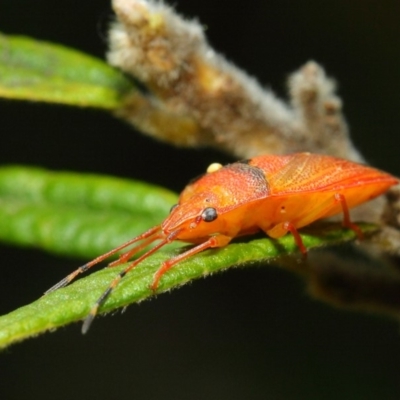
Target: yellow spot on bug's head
column 214, row 167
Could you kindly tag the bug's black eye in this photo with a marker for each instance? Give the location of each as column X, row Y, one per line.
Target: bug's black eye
column 173, row 208
column 209, row 214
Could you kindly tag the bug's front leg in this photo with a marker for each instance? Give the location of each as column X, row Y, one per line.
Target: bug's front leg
column 212, row 242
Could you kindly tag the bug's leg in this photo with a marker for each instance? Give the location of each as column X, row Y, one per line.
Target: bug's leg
column 212, row 242
column 346, row 216
column 93, row 312
column 289, row 227
column 282, row 229
column 64, row 282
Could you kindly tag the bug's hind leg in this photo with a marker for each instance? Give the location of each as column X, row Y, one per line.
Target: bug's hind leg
column 346, row 216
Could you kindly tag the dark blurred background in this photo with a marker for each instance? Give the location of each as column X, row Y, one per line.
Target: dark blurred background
column 246, row 334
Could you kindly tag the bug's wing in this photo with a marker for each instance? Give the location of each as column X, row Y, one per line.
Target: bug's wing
column 313, row 172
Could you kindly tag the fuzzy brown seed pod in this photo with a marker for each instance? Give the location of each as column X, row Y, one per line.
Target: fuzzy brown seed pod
column 206, row 100
column 197, row 98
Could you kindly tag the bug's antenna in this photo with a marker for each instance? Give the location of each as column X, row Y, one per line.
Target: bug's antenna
column 146, row 235
column 100, row 301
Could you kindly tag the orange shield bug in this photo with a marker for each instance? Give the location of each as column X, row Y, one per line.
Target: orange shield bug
column 274, row 194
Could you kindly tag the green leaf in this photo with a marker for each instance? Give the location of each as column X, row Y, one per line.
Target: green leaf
column 76, row 214
column 73, row 303
column 86, row 215
column 40, row 71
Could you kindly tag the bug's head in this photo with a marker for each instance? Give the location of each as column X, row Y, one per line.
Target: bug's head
column 195, row 218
